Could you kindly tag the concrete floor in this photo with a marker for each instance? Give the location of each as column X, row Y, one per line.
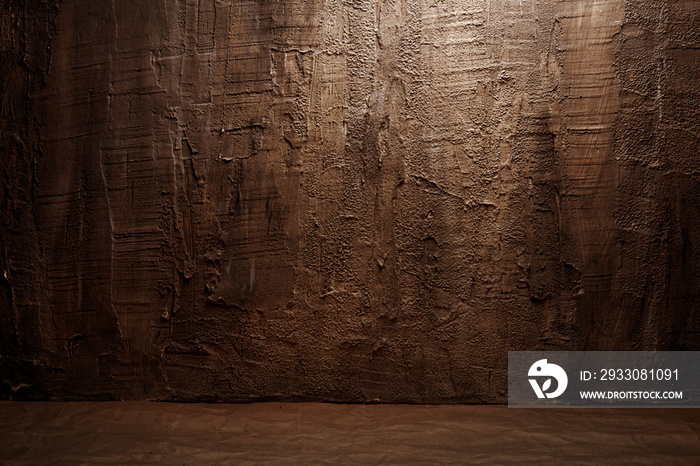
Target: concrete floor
column 316, row 433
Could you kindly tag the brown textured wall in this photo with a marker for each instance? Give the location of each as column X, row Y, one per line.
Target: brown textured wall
column 341, row 200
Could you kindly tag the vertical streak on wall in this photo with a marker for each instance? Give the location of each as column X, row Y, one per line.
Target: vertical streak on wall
column 679, row 124
column 72, row 209
column 136, row 170
column 589, row 91
column 101, row 183
column 26, row 330
column 643, row 204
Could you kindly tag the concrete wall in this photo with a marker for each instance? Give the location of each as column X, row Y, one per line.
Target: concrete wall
column 341, row 200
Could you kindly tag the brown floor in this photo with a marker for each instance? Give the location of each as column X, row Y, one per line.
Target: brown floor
column 315, row 433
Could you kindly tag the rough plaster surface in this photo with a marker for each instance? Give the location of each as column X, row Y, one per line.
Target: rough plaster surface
column 341, row 200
